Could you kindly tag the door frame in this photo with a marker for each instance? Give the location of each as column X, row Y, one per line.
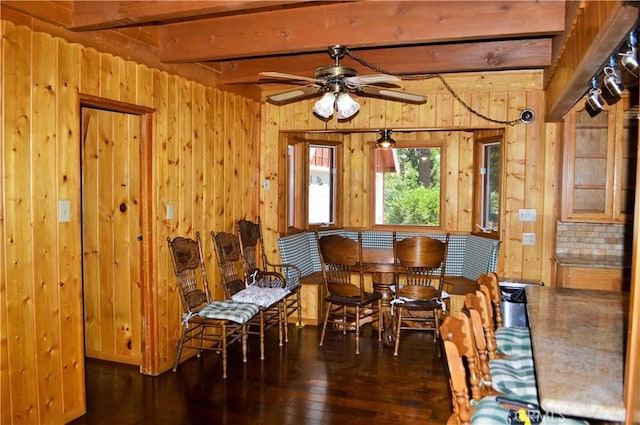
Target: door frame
column 149, row 361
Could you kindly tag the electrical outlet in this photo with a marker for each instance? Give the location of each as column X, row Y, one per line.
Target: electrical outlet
column 527, row 215
column 266, row 185
column 64, row 211
column 528, row 239
column 169, row 211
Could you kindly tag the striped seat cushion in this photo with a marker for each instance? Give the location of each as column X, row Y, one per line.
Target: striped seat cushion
column 489, row 412
column 514, row 347
column 228, row 310
column 515, row 364
column 524, row 390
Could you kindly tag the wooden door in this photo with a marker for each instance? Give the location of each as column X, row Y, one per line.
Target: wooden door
column 110, row 227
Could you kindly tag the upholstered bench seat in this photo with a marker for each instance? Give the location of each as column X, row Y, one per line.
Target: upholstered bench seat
column 468, row 256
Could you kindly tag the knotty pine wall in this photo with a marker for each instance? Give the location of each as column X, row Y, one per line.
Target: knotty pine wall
column 204, row 163
column 530, row 153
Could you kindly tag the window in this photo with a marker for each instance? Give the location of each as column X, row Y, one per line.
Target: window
column 487, row 188
column 407, row 185
column 312, row 185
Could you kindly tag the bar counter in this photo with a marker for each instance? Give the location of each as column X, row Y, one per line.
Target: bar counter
column 578, row 339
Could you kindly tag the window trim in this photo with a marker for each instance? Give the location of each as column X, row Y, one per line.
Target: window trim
column 412, row 144
column 301, row 185
column 478, row 185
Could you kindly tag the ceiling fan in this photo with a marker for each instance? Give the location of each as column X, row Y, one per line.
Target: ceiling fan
column 334, row 82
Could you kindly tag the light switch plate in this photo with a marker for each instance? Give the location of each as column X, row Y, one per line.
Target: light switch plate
column 527, row 214
column 64, row 211
column 528, row 239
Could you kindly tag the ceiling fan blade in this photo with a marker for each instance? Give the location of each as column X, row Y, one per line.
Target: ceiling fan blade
column 391, row 94
column 372, row 79
column 289, row 76
column 293, row 95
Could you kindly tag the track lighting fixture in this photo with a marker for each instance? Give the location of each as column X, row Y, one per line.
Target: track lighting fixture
column 612, row 82
column 595, row 102
column 629, row 59
column 385, row 141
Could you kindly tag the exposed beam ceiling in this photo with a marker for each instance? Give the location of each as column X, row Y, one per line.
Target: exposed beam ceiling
column 235, row 40
column 241, row 38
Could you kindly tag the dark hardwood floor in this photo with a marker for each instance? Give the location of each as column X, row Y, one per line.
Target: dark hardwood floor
column 300, row 383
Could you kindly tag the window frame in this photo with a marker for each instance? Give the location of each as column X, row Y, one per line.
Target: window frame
column 299, row 183
column 410, row 144
column 479, row 185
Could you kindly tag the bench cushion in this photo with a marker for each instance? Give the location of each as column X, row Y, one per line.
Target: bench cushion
column 480, row 256
column 295, row 250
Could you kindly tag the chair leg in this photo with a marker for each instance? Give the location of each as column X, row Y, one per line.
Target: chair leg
column 243, row 331
column 200, row 334
column 436, row 333
column 284, row 321
column 380, row 320
column 180, row 346
column 299, row 323
column 324, row 325
column 223, row 348
column 399, row 325
column 344, row 320
column 357, row 329
column 261, row 334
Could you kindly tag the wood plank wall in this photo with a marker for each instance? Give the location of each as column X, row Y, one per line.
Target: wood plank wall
column 204, row 155
column 530, row 156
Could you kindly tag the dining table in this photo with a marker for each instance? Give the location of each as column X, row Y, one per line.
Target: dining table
column 578, row 343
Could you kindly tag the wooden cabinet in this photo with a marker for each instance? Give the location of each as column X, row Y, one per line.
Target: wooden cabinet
column 590, row 278
column 599, row 157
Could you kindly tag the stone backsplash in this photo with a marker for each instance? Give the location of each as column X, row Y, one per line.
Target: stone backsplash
column 593, row 238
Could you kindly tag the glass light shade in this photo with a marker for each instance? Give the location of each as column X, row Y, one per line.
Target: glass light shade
column 324, row 107
column 347, row 107
column 385, row 141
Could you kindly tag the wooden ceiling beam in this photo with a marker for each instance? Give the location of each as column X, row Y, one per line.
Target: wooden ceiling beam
column 440, row 58
column 95, row 15
column 600, row 29
column 356, row 24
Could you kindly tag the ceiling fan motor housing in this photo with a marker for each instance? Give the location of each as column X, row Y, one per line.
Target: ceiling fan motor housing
column 336, row 71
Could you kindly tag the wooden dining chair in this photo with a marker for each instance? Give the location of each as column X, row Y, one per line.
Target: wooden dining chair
column 421, row 263
column 347, row 302
column 492, row 283
column 485, row 409
column 206, row 324
column 266, row 290
column 254, row 257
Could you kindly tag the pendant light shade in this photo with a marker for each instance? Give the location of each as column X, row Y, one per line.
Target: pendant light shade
column 385, row 141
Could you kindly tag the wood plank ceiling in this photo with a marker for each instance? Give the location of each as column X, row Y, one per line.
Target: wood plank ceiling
column 235, row 40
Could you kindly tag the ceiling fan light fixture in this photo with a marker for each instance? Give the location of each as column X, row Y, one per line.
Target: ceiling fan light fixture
column 347, row 107
column 324, row 107
column 385, row 141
